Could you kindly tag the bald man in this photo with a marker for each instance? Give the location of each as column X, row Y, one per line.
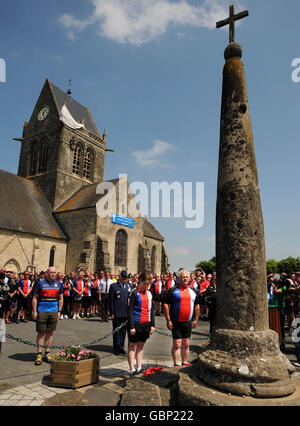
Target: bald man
column 47, row 304
column 182, row 310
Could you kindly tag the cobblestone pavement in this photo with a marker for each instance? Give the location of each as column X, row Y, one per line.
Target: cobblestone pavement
column 35, row 394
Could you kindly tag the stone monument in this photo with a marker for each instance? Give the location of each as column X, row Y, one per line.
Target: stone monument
column 243, row 357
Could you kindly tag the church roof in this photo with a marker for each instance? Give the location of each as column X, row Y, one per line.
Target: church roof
column 77, row 111
column 87, row 197
column 151, row 231
column 25, row 208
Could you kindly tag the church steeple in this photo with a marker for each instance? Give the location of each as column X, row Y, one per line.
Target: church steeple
column 62, row 149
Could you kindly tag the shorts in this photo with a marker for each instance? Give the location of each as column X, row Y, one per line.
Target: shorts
column 95, row 297
column 22, row 303
column 46, row 321
column 157, row 298
column 142, row 333
column 86, row 301
column 181, row 330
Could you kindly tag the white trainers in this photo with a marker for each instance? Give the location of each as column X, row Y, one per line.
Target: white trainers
column 61, row 317
column 77, row 316
column 66, row 317
column 74, row 317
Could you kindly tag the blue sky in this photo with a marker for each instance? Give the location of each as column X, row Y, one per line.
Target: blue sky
column 150, row 71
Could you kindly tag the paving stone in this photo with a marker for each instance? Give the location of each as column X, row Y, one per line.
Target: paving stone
column 101, row 397
column 36, row 403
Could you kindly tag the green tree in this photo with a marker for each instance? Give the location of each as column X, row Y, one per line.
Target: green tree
column 208, row 266
column 272, row 266
column 289, row 264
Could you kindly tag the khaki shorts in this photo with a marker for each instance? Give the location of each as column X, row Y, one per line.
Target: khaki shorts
column 46, row 321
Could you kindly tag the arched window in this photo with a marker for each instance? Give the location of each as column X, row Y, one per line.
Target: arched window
column 88, row 163
column 52, row 256
column 43, row 158
column 153, row 259
column 77, row 159
column 121, row 248
column 34, row 160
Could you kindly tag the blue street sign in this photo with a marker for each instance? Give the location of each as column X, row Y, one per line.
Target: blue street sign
column 123, row 220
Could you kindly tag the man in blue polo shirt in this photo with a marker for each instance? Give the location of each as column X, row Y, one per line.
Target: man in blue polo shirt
column 47, row 304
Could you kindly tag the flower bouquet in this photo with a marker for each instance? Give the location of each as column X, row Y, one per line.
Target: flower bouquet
column 74, row 353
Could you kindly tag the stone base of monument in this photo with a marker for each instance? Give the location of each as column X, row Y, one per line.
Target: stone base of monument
column 193, row 392
column 240, row 368
column 246, row 363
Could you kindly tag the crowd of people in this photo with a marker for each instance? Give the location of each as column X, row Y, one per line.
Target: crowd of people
column 284, row 298
column 86, row 294
column 182, row 298
column 137, row 299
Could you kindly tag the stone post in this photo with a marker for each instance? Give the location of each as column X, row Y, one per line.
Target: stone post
column 243, row 356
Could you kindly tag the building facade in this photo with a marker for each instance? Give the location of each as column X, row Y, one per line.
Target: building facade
column 56, row 223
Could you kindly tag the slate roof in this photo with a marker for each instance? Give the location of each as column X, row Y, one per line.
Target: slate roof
column 150, row 231
column 84, row 198
column 77, row 111
column 25, row 209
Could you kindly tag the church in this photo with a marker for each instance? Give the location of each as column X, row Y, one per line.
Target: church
column 50, row 207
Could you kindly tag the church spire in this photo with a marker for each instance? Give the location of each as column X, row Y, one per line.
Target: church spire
column 69, row 91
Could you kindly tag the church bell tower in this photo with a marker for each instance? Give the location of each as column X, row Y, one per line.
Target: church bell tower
column 61, row 147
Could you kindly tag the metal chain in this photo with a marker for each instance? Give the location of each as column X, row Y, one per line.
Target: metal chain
column 82, row 345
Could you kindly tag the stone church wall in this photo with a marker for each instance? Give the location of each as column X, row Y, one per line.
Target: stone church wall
column 18, row 251
column 80, row 227
column 107, row 232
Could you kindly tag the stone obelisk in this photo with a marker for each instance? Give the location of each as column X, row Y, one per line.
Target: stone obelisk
column 243, row 357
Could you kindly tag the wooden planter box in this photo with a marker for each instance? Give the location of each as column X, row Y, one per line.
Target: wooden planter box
column 74, row 374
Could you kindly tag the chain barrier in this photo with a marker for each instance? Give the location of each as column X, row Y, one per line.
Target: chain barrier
column 82, row 345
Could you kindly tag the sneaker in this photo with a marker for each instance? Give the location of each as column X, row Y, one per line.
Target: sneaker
column 139, row 370
column 39, row 359
column 74, row 317
column 66, row 317
column 78, row 316
column 61, row 317
column 47, row 357
column 132, row 374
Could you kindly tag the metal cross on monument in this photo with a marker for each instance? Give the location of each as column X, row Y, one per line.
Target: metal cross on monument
column 231, row 22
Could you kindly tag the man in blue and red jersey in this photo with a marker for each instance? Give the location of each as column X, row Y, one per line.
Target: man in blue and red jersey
column 170, row 282
column 141, row 322
column 193, row 283
column 157, row 291
column 78, row 287
column 87, row 296
column 47, row 304
column 24, row 289
column 181, row 306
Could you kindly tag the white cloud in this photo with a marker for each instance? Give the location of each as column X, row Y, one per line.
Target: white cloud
column 140, row 21
column 180, row 250
column 152, row 157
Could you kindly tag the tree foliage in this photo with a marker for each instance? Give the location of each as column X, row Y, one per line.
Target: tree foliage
column 273, row 266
